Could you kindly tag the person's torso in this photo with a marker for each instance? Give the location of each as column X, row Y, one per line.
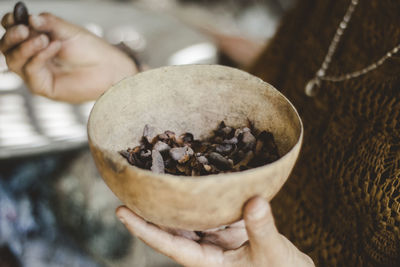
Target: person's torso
column 341, row 204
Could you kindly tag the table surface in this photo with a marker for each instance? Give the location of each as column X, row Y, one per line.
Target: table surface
column 33, row 124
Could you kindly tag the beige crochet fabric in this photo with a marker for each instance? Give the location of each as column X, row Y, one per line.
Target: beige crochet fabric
column 341, row 204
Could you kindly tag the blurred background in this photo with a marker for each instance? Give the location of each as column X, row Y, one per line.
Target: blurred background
column 54, row 208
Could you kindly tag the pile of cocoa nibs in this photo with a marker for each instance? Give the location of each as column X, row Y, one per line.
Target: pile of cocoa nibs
column 227, row 150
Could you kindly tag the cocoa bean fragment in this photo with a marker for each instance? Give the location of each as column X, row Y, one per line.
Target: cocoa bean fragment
column 238, row 132
column 161, row 147
column 184, row 159
column 202, row 160
column 149, row 133
column 187, row 138
column 124, row 153
column 224, row 149
column 181, row 168
column 227, row 131
column 170, row 134
column 218, row 140
column 145, row 154
column 157, row 162
column 207, row 167
column 163, row 137
column 228, row 150
column 178, row 153
column 245, row 161
column 233, row 140
column 248, row 140
column 219, row 161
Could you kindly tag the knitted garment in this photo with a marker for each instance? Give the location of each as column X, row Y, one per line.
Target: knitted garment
column 341, row 204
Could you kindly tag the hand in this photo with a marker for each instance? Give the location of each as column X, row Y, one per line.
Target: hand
column 60, row 60
column 266, row 247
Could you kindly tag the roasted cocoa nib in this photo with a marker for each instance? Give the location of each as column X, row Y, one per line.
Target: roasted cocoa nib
column 228, row 149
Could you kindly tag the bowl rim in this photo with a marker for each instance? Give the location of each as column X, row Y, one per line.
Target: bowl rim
column 112, row 155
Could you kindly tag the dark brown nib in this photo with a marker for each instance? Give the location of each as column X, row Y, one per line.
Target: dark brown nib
column 227, row 150
column 21, row 15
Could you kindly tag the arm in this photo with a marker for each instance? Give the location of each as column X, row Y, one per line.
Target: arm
column 60, row 60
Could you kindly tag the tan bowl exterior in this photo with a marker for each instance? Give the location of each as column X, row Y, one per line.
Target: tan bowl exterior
column 190, row 98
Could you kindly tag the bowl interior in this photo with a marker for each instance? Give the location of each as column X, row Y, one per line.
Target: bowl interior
column 190, row 98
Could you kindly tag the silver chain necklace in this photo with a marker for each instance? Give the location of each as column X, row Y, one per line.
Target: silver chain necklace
column 312, row 86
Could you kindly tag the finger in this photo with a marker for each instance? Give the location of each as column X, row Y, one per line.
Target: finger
column 36, row 71
column 265, row 240
column 14, row 36
column 182, row 250
column 230, row 238
column 7, row 21
column 19, row 56
column 239, row 257
column 238, row 224
column 54, row 26
column 184, row 233
column 263, row 236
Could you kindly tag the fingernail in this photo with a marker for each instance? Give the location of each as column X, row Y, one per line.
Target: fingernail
column 37, row 21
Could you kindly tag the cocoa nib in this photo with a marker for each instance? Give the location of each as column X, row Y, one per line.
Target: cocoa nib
column 157, row 162
column 220, row 162
column 229, row 149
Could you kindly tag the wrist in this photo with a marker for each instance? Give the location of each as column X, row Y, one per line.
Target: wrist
column 131, row 54
column 125, row 64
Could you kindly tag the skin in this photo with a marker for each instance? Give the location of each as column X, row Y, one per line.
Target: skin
column 64, row 62
column 228, row 247
column 60, row 60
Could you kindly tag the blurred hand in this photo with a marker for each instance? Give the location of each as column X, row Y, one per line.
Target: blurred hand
column 60, row 60
column 265, row 246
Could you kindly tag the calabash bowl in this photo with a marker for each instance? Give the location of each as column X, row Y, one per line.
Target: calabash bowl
column 190, row 98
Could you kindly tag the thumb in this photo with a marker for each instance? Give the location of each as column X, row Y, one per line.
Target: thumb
column 266, row 243
column 56, row 27
column 264, row 238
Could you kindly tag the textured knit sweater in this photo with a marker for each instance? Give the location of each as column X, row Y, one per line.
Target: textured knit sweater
column 341, row 204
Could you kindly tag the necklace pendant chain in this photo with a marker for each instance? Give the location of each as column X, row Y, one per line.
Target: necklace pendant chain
column 312, row 86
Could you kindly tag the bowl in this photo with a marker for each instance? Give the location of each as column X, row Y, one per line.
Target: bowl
column 190, row 98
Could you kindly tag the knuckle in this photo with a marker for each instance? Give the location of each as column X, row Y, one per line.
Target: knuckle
column 5, row 20
column 12, row 36
column 48, row 17
column 26, row 49
column 15, row 58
